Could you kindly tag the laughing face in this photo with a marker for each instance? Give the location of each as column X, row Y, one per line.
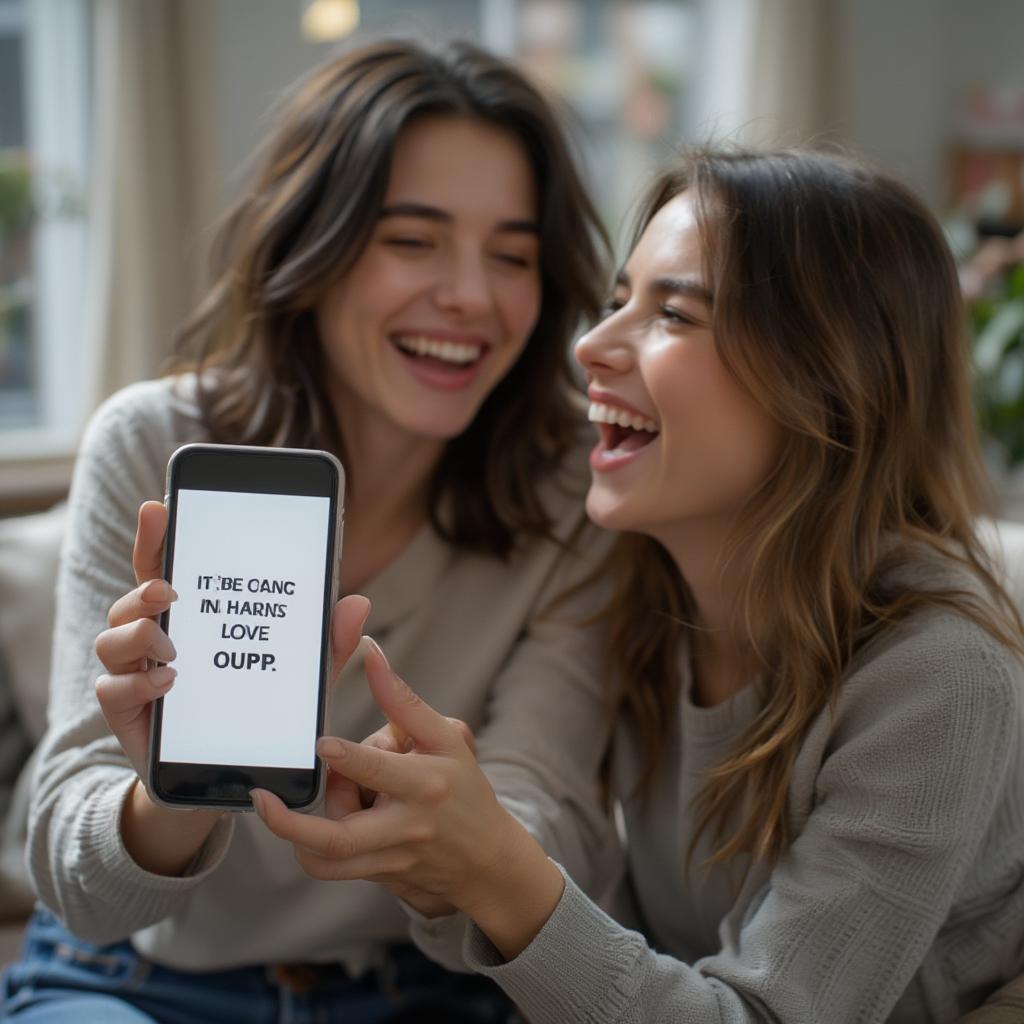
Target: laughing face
column 681, row 441
column 441, row 302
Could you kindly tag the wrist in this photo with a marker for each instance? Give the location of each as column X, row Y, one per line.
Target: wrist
column 159, row 839
column 513, row 897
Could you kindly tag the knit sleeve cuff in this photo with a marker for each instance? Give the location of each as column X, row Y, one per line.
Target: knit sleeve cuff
column 440, row 938
column 581, row 965
column 111, row 873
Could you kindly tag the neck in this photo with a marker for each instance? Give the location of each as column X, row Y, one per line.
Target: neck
column 386, row 503
column 722, row 658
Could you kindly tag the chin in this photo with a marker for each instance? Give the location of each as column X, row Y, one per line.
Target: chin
column 608, row 511
column 438, row 428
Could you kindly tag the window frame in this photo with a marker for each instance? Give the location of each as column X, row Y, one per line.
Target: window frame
column 57, row 50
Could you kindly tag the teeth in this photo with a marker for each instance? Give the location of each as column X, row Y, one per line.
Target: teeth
column 601, row 413
column 448, row 351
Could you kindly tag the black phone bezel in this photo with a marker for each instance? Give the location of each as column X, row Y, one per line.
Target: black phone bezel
column 257, row 471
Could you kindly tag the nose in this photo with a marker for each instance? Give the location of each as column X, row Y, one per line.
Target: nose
column 604, row 349
column 464, row 288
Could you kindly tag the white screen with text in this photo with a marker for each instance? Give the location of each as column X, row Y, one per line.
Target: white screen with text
column 249, row 570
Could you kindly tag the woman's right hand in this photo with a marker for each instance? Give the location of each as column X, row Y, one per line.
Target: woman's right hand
column 134, row 643
column 159, row 840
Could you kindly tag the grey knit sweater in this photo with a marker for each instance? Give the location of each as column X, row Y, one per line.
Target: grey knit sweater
column 900, row 899
column 467, row 630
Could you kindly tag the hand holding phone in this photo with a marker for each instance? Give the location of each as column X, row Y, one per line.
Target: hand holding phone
column 134, row 645
column 164, row 841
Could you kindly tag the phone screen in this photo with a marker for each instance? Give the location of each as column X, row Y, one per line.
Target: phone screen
column 250, row 571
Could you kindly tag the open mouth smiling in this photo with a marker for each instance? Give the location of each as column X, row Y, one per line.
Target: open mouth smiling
column 623, row 433
column 458, row 355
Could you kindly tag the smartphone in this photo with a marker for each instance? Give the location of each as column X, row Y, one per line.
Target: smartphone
column 252, row 549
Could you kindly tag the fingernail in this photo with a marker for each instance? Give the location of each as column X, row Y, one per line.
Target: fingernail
column 162, row 678
column 370, row 642
column 366, row 615
column 163, row 649
column 158, row 592
column 257, row 800
column 409, row 745
column 328, row 746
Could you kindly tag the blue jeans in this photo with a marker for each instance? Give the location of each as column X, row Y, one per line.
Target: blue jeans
column 61, row 978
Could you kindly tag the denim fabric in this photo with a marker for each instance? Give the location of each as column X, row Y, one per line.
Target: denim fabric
column 62, row 978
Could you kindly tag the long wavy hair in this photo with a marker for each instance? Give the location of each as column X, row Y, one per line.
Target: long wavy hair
column 306, row 219
column 837, row 306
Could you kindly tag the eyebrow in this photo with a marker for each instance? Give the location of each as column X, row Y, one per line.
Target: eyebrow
column 435, row 213
column 672, row 286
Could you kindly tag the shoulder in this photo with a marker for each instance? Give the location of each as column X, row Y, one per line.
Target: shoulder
column 938, row 650
column 925, row 738
column 938, row 678
column 162, row 408
column 124, row 450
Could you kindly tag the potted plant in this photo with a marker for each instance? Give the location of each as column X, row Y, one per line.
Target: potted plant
column 993, row 283
column 17, row 216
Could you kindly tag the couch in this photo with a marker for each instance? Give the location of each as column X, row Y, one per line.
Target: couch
column 29, row 550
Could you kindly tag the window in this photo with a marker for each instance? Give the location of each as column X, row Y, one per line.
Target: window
column 44, row 89
column 625, row 69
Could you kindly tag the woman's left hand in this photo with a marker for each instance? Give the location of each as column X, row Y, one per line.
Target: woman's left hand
column 435, row 828
column 343, row 796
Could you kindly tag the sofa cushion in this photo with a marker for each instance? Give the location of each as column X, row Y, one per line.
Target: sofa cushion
column 29, row 553
column 1006, row 540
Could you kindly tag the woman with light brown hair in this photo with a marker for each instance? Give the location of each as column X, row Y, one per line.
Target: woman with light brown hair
column 399, row 286
column 816, row 680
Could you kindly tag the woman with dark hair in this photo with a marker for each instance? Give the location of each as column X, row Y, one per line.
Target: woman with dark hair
column 817, row 675
column 399, row 286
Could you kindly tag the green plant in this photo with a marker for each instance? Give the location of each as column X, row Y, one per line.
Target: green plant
column 17, row 209
column 997, row 321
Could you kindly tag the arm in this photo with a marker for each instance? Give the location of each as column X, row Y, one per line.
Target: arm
column 548, row 727
column 902, row 802
column 546, row 730
column 85, row 783
column 435, row 826
column 160, row 840
column 546, row 722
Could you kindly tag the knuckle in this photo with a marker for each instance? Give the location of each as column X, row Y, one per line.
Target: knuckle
column 422, row 833
column 141, row 631
column 404, row 861
column 311, row 865
column 463, row 730
column 406, row 695
column 147, row 688
column 382, row 739
column 338, row 846
column 374, row 771
column 435, row 788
